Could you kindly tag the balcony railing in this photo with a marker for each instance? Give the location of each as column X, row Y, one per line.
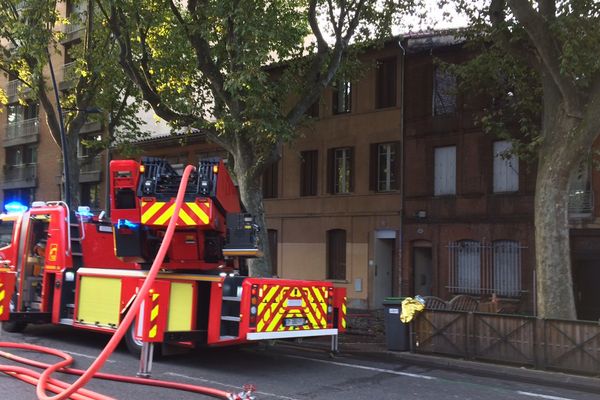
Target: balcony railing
column 68, row 70
column 581, row 203
column 28, row 127
column 89, row 164
column 13, row 88
column 23, row 175
column 73, row 27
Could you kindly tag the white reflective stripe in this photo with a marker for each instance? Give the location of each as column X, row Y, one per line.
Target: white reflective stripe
column 290, row 334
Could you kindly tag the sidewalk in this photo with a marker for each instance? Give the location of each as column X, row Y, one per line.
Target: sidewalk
column 372, row 348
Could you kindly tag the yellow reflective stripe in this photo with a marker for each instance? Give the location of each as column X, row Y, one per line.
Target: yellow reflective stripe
column 154, row 312
column 199, row 212
column 344, row 313
column 166, row 215
column 185, row 217
column 266, row 302
column 153, row 331
column 1, row 310
column 151, row 211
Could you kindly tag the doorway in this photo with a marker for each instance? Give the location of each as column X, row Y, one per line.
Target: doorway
column 385, row 243
column 422, row 269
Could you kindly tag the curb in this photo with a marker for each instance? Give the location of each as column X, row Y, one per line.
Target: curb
column 505, row 372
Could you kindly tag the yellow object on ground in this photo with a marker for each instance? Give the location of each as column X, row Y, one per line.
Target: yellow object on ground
column 410, row 306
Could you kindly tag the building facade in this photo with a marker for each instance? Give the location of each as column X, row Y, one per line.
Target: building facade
column 391, row 189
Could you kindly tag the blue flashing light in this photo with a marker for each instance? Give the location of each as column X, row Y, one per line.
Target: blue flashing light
column 14, row 207
column 125, row 223
column 84, row 211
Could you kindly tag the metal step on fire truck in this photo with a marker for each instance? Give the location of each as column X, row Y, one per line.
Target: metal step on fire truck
column 84, row 269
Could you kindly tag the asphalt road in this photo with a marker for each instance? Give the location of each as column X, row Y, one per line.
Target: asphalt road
column 279, row 373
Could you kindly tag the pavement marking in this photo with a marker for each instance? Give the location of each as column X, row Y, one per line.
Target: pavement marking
column 386, row 371
column 84, row 355
column 542, row 396
column 236, row 388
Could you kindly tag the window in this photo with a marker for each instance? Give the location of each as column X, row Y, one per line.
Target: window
column 272, row 234
column 581, row 200
column 467, row 266
column 385, row 85
column 23, row 196
column 444, row 91
column 507, row 268
column 18, row 113
column 336, row 254
column 342, row 97
column 90, row 195
column 269, row 181
column 6, row 232
column 309, row 162
column 340, row 170
column 21, row 155
column 485, row 268
column 506, row 168
column 86, row 146
column 384, row 167
column 445, row 171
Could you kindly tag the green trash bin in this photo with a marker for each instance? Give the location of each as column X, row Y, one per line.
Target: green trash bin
column 396, row 333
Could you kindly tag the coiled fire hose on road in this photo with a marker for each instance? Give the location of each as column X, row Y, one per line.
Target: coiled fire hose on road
column 75, row 391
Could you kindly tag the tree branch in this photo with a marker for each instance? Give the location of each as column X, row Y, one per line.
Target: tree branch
column 545, row 43
column 505, row 38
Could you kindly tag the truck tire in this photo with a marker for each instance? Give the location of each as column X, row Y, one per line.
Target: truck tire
column 134, row 345
column 13, row 326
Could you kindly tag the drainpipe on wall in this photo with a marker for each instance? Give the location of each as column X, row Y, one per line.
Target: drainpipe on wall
column 401, row 177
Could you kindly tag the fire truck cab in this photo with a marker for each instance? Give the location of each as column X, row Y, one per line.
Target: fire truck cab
column 83, row 269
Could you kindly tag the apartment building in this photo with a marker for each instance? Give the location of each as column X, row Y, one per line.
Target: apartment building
column 31, row 160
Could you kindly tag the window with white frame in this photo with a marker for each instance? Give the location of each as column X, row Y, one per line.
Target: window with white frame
column 342, row 97
column 386, row 167
column 507, row 268
column 343, row 170
column 506, row 168
column 444, row 171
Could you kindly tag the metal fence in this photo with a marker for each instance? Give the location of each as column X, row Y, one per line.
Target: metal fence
column 485, row 268
column 570, row 346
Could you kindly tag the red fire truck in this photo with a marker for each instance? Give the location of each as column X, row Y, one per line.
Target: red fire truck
column 84, row 269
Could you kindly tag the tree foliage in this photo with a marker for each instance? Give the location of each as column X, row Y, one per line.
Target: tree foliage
column 241, row 70
column 538, row 61
column 33, row 33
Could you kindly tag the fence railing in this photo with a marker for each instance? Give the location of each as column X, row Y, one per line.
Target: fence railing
column 570, row 346
column 28, row 127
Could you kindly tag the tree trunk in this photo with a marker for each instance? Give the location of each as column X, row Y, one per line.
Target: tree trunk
column 557, row 158
column 250, row 187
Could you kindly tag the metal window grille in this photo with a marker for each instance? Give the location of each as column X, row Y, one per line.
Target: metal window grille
column 485, row 268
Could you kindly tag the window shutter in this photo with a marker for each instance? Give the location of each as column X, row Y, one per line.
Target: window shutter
column 373, row 157
column 330, row 170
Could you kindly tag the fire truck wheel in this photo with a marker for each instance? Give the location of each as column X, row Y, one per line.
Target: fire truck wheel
column 134, row 345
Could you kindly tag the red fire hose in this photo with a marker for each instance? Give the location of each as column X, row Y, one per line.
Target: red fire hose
column 75, row 391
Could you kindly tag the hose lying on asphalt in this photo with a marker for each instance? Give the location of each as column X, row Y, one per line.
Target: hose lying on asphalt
column 75, row 391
